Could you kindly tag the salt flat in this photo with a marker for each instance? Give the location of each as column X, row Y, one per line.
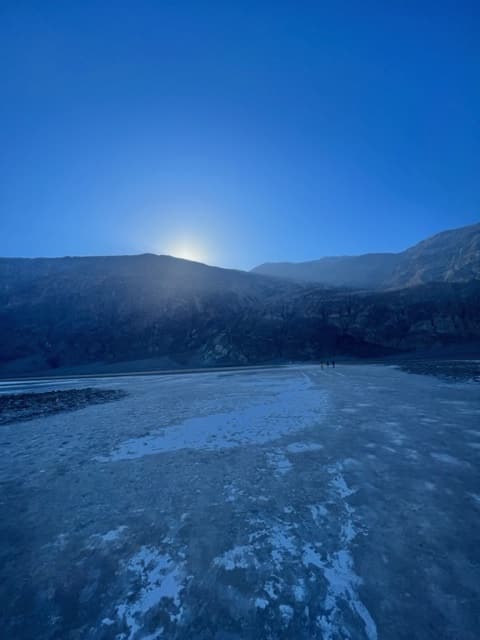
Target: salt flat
column 293, row 502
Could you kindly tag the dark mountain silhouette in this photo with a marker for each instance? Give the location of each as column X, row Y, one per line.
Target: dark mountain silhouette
column 62, row 312
column 450, row 256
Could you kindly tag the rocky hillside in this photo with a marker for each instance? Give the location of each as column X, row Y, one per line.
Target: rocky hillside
column 451, row 256
column 70, row 311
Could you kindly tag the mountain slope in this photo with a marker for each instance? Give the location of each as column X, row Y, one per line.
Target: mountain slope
column 64, row 311
column 78, row 311
column 450, row 256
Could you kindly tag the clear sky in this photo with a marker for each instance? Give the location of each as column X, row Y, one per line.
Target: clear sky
column 236, row 132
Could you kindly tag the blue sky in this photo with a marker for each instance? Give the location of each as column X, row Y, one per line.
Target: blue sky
column 236, row 132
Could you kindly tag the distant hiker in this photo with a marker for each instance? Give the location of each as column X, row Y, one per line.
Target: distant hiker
column 328, row 363
column 333, row 363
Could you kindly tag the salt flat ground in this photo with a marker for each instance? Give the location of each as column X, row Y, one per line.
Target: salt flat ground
column 283, row 503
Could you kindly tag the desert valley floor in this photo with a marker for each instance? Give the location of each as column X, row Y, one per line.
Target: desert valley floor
column 293, row 502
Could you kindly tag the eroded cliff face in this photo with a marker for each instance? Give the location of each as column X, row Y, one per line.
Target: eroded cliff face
column 79, row 311
column 318, row 323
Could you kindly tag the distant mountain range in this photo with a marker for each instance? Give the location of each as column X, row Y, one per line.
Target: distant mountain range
column 61, row 313
column 450, row 256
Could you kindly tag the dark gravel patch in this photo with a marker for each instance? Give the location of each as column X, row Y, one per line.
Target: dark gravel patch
column 450, row 370
column 27, row 406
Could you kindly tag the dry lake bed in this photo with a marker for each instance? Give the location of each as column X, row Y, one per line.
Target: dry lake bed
column 293, row 502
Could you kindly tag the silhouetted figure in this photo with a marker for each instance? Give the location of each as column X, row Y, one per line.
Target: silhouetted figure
column 333, row 363
column 328, row 363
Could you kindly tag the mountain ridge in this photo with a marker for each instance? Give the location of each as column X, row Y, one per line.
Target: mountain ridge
column 57, row 313
column 449, row 256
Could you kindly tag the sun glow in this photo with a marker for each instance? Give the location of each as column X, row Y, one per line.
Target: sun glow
column 187, row 250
